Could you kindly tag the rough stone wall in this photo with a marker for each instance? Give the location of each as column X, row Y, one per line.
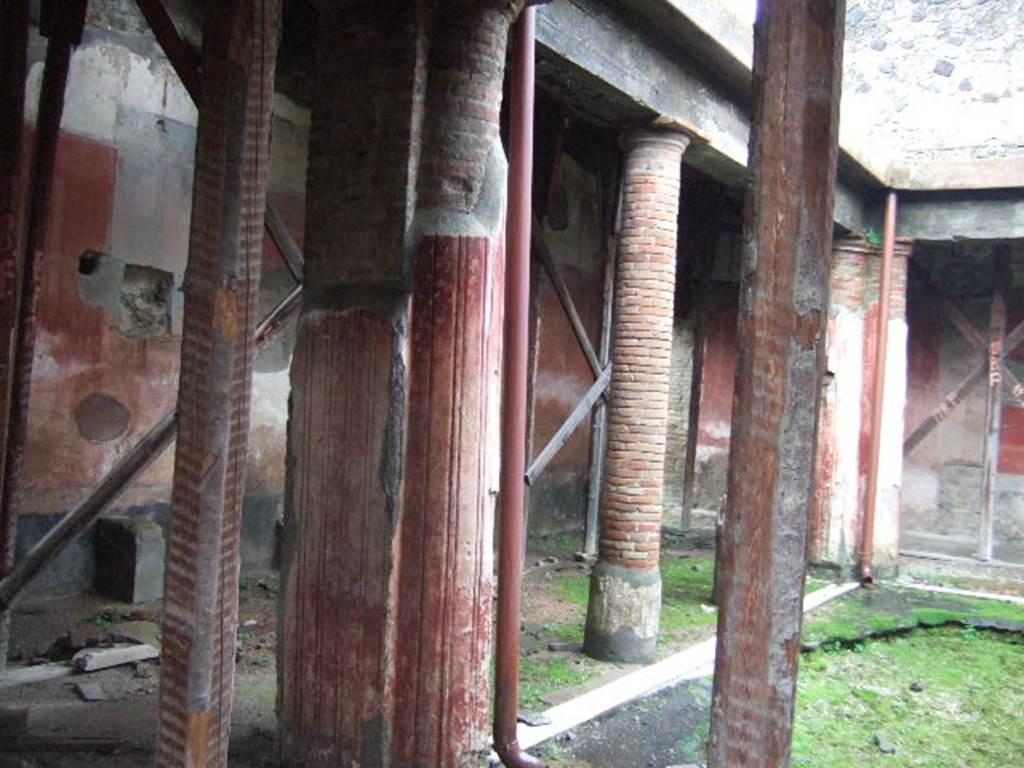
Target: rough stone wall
column 110, row 306
column 937, row 79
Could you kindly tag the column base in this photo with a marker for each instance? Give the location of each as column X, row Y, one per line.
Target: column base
column 623, row 613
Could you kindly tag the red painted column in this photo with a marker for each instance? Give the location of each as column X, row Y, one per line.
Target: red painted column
column 625, row 590
column 386, row 601
column 221, row 304
column 798, row 48
column 13, row 70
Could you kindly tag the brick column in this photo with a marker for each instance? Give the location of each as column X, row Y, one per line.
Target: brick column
column 388, row 575
column 625, row 589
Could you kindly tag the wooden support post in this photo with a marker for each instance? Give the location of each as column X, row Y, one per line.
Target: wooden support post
column 61, row 23
column 693, row 419
column 221, row 300
column 599, row 428
column 709, row 202
column 993, row 400
column 13, row 69
column 562, row 290
column 572, row 421
column 798, row 48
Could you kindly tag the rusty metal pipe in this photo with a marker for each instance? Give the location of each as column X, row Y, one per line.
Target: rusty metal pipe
column 513, row 423
column 867, row 542
column 142, row 454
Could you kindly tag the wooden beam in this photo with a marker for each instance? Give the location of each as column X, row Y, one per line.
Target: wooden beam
column 561, row 437
column 953, row 312
column 289, row 249
column 956, row 396
column 993, row 400
column 798, row 47
column 61, row 23
column 693, row 416
column 562, row 290
column 13, row 72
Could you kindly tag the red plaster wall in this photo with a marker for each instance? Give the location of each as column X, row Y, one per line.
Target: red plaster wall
column 719, row 368
column 77, row 350
column 80, row 351
column 1011, row 456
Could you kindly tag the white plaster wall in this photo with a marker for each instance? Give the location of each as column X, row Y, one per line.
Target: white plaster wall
column 890, row 470
column 845, row 352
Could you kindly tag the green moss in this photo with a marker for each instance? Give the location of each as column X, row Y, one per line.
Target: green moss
column 949, row 717
column 573, row 588
column 889, row 609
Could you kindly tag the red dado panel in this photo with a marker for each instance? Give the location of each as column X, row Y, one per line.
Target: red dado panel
column 1011, row 444
column 719, row 367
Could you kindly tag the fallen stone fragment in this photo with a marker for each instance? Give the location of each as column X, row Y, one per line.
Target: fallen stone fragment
column 885, row 746
column 534, row 719
column 92, row 659
column 91, row 691
column 559, row 647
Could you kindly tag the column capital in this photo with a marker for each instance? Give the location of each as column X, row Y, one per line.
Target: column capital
column 661, row 134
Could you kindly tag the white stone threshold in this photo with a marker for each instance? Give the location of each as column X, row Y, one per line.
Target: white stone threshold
column 962, row 592
column 696, row 661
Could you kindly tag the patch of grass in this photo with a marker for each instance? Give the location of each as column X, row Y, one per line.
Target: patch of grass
column 686, row 585
column 573, row 587
column 949, row 696
column 542, row 674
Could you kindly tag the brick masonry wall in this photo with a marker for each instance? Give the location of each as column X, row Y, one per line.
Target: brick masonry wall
column 680, row 379
column 642, row 333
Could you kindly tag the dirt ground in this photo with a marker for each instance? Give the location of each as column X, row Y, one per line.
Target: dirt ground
column 64, row 730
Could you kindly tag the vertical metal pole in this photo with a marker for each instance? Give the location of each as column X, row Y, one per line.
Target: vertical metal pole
column 62, row 24
column 13, row 70
column 867, row 537
column 221, row 301
column 993, row 399
column 513, row 427
column 798, row 46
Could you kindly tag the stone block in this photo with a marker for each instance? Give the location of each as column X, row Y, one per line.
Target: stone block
column 129, row 559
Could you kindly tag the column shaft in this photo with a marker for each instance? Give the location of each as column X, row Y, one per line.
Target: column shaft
column 388, row 564
column 625, row 590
